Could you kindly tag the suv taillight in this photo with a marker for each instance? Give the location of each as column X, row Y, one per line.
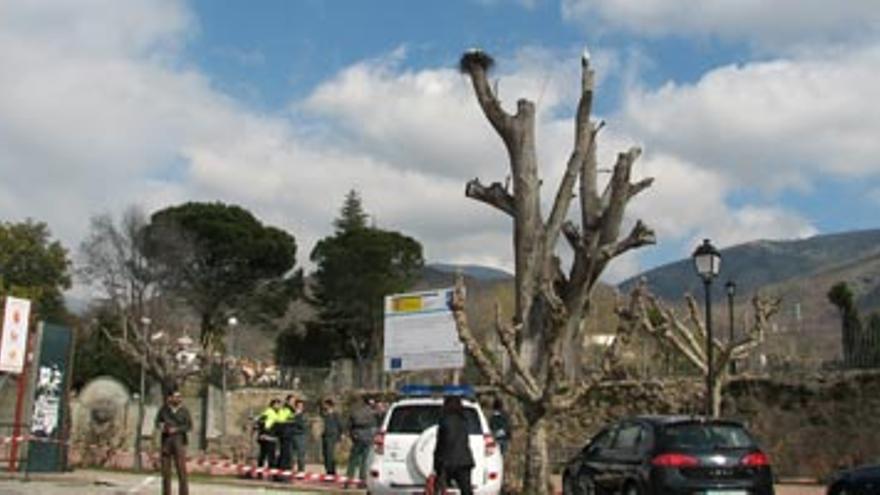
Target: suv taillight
column 755, row 459
column 379, row 443
column 490, row 443
column 675, row 460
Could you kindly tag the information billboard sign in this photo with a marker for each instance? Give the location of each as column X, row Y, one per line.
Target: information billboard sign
column 420, row 332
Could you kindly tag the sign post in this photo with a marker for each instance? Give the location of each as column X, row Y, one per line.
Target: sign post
column 420, row 332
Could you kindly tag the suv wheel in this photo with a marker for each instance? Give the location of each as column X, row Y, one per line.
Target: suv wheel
column 632, row 489
column 580, row 486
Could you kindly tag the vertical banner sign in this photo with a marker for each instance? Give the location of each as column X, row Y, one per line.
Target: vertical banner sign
column 13, row 343
column 420, row 332
column 50, row 401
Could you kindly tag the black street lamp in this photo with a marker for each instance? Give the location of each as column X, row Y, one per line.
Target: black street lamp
column 707, row 261
column 731, row 291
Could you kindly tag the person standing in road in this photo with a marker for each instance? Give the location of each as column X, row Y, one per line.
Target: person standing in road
column 499, row 424
column 266, row 438
column 361, row 428
column 298, row 431
column 174, row 422
column 453, row 459
column 330, row 436
column 284, row 432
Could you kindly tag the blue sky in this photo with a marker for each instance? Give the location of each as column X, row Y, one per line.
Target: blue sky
column 759, row 119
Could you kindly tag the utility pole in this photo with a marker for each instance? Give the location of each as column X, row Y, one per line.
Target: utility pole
column 145, row 325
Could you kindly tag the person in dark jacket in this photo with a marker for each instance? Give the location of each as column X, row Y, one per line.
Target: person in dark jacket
column 174, row 422
column 298, row 431
column 284, row 431
column 453, row 459
column 499, row 424
column 361, row 428
column 330, row 436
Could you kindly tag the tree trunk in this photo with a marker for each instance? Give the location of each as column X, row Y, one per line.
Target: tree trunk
column 537, row 473
column 716, row 396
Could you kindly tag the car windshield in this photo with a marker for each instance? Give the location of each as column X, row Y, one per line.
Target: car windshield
column 706, row 436
column 417, row 418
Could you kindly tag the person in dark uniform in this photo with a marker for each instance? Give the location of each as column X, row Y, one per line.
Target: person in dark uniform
column 361, row 428
column 298, row 431
column 174, row 422
column 499, row 424
column 266, row 439
column 453, row 459
column 284, row 431
column 330, row 436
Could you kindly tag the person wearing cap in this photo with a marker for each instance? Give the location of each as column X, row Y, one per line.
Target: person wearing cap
column 174, row 422
column 330, row 436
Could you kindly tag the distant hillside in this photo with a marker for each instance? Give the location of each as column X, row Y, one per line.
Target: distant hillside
column 475, row 271
column 761, row 263
column 801, row 273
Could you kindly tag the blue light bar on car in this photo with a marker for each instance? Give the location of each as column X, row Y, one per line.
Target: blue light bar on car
column 431, row 390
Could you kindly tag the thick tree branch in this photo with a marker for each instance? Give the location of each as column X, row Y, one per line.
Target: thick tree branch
column 583, row 142
column 635, row 189
column 494, row 195
column 488, row 367
column 639, row 236
column 618, row 196
column 507, row 336
column 477, row 63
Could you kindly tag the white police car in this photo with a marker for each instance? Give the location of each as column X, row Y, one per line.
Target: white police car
column 402, row 456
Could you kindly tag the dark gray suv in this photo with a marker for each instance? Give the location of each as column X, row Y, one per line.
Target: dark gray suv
column 670, row 455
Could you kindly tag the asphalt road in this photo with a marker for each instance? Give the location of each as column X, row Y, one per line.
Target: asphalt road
column 114, row 483
column 108, row 483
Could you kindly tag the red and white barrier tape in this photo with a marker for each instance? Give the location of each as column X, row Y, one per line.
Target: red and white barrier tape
column 225, row 464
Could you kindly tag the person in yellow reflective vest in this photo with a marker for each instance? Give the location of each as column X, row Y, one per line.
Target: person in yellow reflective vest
column 284, row 431
column 266, row 438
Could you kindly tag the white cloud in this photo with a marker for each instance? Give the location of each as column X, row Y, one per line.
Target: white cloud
column 771, row 24
column 688, row 203
column 770, row 125
column 99, row 110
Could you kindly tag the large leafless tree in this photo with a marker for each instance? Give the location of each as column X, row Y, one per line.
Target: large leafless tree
column 551, row 302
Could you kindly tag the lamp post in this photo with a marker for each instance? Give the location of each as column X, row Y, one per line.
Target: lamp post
column 730, row 286
column 707, row 261
column 139, row 430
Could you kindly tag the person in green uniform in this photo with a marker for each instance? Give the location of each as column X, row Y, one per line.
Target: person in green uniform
column 266, row 438
column 330, row 435
column 298, row 431
column 174, row 422
column 284, row 431
column 361, row 428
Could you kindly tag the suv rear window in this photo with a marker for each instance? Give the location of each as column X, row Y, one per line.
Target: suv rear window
column 706, row 436
column 417, row 418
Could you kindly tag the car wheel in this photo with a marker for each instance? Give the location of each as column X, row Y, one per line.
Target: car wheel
column 582, row 486
column 839, row 490
column 632, row 489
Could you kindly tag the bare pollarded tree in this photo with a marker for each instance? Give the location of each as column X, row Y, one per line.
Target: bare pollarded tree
column 685, row 334
column 551, row 302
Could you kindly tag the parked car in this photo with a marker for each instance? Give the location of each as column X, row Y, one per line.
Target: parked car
column 864, row 480
column 402, row 457
column 670, row 455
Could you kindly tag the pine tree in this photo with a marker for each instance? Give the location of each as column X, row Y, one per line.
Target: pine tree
column 352, row 215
